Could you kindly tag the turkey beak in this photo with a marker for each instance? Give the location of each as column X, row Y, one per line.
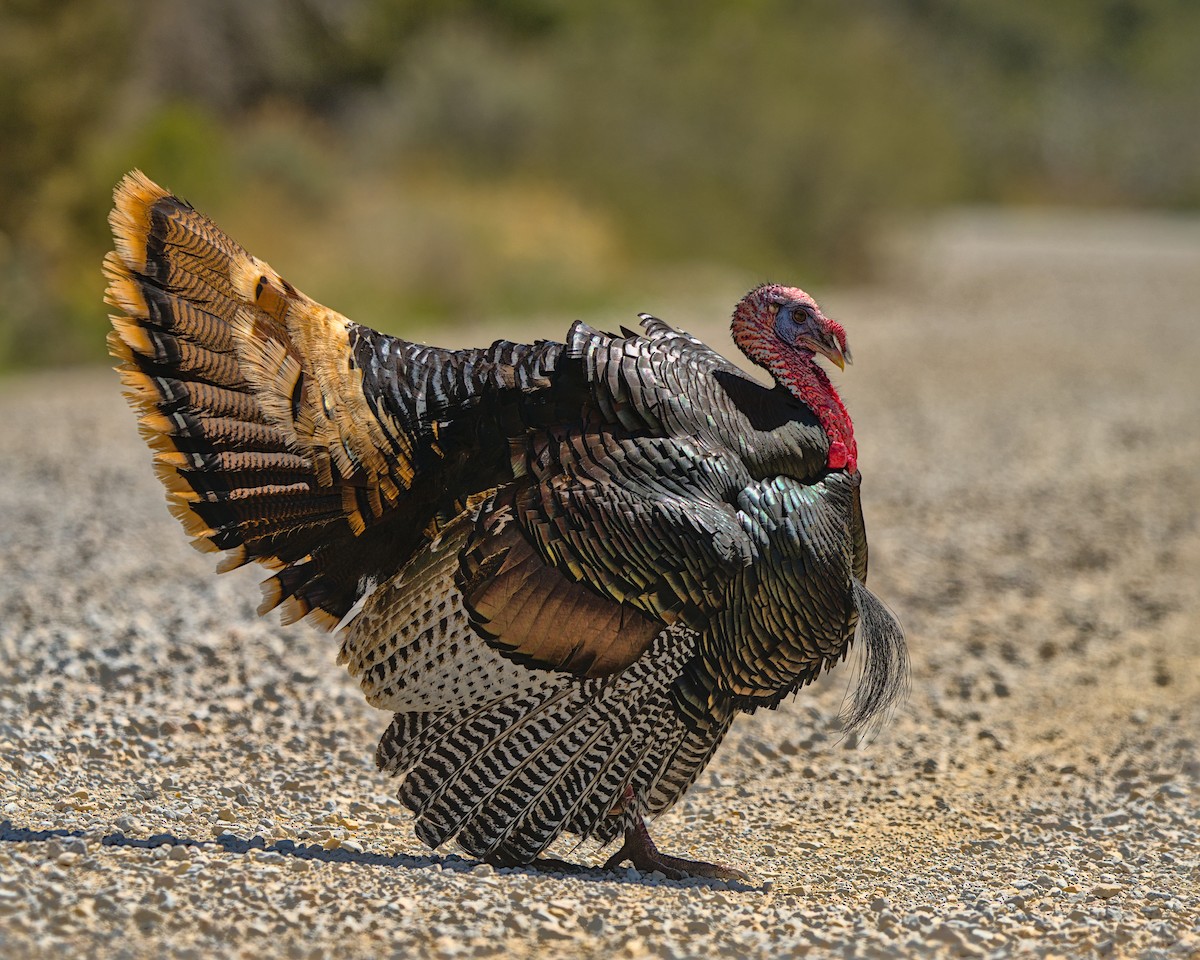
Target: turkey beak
column 827, row 346
column 830, row 349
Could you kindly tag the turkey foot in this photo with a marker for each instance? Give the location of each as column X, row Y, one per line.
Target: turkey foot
column 640, row 850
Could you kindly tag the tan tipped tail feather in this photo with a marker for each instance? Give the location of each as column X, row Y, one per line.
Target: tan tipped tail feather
column 250, row 398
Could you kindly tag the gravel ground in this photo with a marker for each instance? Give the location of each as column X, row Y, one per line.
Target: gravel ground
column 180, row 778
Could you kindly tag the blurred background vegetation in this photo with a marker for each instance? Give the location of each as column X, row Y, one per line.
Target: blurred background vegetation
column 414, row 162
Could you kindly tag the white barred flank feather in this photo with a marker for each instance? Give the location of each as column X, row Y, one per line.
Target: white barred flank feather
column 505, row 778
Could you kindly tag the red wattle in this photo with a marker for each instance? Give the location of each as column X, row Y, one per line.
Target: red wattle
column 809, row 383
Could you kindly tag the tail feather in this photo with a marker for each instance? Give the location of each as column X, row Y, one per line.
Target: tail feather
column 249, row 397
column 233, row 476
column 173, row 396
column 202, row 430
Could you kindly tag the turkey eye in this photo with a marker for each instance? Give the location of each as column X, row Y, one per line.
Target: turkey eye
column 790, row 323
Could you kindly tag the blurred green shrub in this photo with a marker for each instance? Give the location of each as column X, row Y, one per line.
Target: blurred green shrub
column 422, row 161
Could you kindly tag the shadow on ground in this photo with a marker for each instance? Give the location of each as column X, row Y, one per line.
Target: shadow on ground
column 230, row 843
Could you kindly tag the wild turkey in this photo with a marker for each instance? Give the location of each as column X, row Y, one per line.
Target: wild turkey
column 564, row 567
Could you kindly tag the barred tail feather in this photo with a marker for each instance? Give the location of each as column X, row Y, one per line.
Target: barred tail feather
column 233, row 476
column 250, row 398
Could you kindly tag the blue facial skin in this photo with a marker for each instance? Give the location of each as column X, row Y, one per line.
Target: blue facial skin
column 790, row 321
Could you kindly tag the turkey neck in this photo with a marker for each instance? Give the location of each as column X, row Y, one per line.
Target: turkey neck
column 797, row 372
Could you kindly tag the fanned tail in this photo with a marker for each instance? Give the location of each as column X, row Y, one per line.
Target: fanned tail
column 283, row 432
column 236, row 477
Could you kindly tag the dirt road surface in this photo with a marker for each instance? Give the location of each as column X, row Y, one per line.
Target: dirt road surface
column 179, row 778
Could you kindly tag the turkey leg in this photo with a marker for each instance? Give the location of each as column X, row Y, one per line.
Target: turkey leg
column 640, row 850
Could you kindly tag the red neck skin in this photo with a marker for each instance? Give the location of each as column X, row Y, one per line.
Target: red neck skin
column 797, row 371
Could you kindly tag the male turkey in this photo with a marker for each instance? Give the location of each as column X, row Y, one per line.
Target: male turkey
column 564, row 567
